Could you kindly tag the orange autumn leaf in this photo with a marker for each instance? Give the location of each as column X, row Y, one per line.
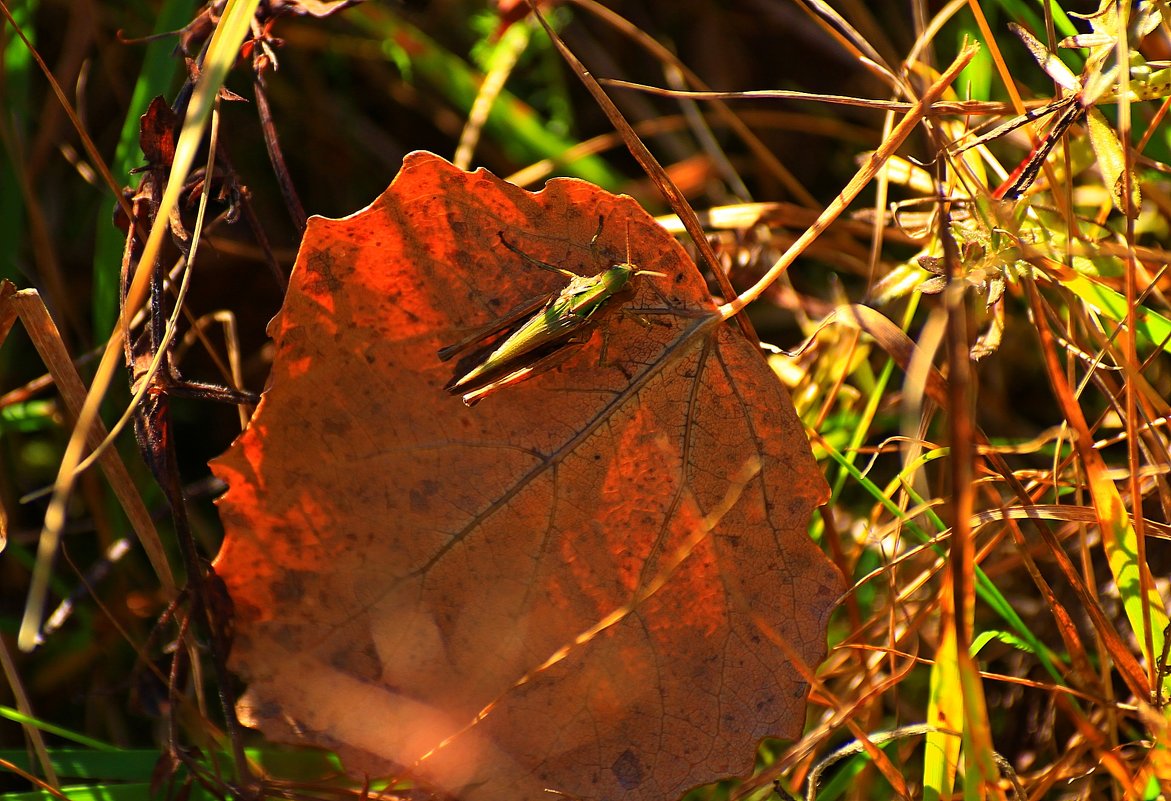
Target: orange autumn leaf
column 558, row 589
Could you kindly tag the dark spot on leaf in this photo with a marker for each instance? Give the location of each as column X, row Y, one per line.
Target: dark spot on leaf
column 289, row 586
column 420, row 497
column 320, row 265
column 269, row 709
column 627, row 770
column 418, row 501
column 336, row 425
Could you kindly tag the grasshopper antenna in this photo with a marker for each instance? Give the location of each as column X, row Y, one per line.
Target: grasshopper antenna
column 632, row 264
column 553, row 268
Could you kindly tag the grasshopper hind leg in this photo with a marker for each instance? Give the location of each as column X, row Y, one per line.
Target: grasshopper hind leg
column 542, row 364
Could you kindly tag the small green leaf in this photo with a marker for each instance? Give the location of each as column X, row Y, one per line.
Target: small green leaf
column 1112, row 161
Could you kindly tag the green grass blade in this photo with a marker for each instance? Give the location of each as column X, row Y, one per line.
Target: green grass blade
column 1151, row 326
column 511, row 125
column 16, row 64
column 18, row 717
column 160, row 68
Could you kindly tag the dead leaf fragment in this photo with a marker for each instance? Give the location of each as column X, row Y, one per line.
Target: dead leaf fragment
column 404, row 568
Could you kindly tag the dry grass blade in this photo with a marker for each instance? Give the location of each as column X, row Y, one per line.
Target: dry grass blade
column 863, row 177
column 222, row 54
column 1113, row 522
column 725, row 114
column 958, row 107
column 27, row 307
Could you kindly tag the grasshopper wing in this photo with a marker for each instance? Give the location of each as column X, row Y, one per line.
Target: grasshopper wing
column 502, row 325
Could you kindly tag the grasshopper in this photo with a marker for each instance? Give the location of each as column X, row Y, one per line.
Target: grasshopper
column 537, row 334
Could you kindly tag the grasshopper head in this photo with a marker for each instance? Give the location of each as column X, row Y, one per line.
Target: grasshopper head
column 616, row 277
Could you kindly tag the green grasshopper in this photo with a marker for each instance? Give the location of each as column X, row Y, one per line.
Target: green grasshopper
column 536, row 335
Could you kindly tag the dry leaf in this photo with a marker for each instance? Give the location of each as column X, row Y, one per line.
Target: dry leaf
column 401, row 563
